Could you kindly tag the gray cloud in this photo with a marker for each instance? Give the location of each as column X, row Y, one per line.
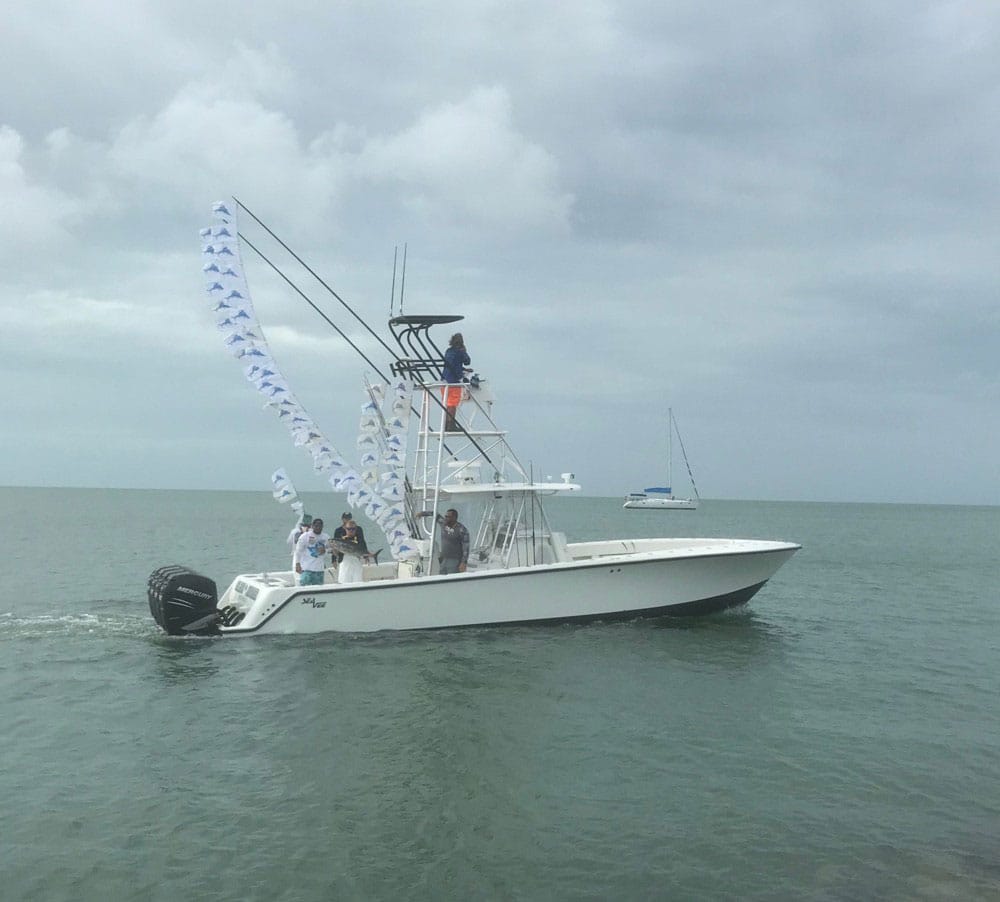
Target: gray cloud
column 781, row 221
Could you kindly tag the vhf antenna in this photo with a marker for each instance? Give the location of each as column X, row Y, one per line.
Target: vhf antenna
column 392, row 292
column 402, row 284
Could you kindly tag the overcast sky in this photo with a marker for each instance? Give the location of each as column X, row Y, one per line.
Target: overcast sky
column 779, row 217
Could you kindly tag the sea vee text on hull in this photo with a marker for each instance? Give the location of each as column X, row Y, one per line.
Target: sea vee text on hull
column 428, row 444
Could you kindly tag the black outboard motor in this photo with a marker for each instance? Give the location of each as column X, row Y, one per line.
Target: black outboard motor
column 183, row 602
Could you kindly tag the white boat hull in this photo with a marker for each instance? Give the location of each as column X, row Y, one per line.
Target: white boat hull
column 662, row 504
column 610, row 580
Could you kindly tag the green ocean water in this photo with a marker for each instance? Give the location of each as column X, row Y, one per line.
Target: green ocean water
column 837, row 739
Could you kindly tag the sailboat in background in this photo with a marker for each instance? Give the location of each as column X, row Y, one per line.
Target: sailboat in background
column 662, row 497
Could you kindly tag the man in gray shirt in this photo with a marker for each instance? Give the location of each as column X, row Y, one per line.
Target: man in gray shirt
column 454, row 542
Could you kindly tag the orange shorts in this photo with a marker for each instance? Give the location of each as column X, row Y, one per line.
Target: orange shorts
column 452, row 395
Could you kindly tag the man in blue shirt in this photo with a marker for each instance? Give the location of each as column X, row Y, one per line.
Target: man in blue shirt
column 456, row 358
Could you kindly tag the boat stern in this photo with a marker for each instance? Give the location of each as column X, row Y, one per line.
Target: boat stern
column 182, row 602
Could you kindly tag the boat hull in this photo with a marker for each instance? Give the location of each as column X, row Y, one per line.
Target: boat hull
column 661, row 504
column 602, row 581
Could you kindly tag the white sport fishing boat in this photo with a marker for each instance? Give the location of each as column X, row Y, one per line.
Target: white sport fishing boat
column 520, row 570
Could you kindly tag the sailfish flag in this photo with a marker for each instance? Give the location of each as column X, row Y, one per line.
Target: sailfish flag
column 284, row 492
column 282, row 487
column 379, row 487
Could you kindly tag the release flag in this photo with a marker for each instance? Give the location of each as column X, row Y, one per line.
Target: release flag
column 283, row 489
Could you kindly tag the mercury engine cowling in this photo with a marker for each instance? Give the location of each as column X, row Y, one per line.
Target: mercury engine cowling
column 183, row 602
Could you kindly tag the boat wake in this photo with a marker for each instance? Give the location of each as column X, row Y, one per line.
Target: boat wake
column 43, row 626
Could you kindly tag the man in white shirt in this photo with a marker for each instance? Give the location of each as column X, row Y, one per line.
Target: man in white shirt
column 299, row 528
column 310, row 554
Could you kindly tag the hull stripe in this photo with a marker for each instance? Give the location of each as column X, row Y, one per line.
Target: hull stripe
column 697, row 608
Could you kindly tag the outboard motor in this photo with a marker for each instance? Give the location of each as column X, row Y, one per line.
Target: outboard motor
column 183, row 602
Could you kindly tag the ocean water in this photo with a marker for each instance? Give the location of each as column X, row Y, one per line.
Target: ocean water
column 837, row 739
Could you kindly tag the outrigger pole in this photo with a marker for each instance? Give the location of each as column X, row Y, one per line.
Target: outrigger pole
column 346, row 306
column 309, row 301
column 317, row 277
